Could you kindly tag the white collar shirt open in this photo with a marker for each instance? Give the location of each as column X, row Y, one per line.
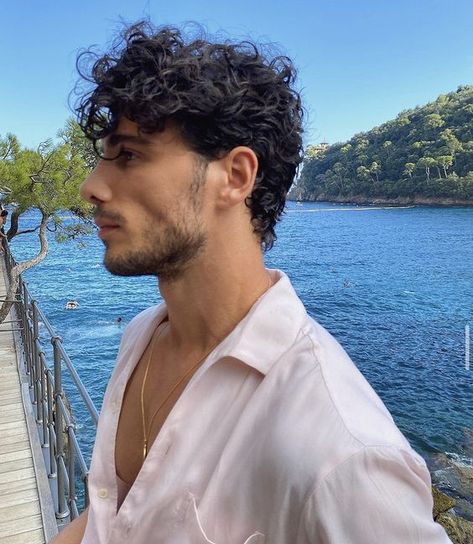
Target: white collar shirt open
column 276, row 439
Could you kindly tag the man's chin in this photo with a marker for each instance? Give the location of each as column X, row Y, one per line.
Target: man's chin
column 124, row 266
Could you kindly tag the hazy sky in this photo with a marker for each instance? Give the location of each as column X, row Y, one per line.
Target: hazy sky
column 360, row 63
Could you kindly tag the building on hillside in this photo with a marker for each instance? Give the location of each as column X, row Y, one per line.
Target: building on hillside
column 315, row 149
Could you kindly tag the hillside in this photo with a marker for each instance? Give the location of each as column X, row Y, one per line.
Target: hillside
column 425, row 155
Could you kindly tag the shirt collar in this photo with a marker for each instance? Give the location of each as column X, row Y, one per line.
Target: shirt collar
column 269, row 329
column 266, row 332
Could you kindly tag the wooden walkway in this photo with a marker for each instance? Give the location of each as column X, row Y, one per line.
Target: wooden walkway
column 26, row 511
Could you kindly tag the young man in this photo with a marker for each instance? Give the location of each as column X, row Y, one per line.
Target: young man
column 231, row 417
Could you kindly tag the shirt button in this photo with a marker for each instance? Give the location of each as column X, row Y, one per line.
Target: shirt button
column 102, row 493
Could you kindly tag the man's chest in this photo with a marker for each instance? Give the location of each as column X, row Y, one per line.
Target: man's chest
column 211, row 469
column 145, row 407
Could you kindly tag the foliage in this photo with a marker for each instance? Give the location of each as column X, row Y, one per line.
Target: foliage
column 424, row 152
column 46, row 179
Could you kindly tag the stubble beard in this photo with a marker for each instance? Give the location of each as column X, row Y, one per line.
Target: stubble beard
column 167, row 251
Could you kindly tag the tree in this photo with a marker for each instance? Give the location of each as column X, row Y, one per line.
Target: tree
column 310, row 152
column 427, row 163
column 434, row 120
column 80, row 146
column 46, row 179
column 409, row 168
column 363, row 173
column 445, row 161
column 451, row 141
column 375, row 169
column 340, row 172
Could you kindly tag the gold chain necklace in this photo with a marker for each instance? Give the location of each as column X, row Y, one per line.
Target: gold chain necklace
column 176, row 385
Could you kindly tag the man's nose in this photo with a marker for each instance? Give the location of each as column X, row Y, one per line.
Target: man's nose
column 95, row 188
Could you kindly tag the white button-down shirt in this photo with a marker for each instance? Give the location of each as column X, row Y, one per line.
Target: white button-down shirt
column 277, row 438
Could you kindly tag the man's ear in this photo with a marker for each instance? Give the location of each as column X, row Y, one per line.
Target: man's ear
column 240, row 166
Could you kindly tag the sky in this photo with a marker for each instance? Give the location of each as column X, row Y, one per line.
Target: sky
column 360, row 63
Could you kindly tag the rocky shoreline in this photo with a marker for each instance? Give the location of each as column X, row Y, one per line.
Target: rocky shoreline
column 400, row 201
column 459, row 529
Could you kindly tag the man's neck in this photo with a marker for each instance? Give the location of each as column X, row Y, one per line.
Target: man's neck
column 211, row 298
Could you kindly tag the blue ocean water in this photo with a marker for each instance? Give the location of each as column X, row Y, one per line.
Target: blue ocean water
column 393, row 285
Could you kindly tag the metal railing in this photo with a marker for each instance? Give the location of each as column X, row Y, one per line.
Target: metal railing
column 63, row 457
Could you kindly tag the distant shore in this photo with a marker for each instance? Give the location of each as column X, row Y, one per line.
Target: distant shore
column 400, row 201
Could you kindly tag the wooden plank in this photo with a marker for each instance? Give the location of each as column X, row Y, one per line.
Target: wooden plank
column 20, row 485
column 11, row 412
column 13, row 396
column 8, row 371
column 17, row 464
column 17, row 416
column 17, row 421
column 7, row 422
column 10, row 528
column 20, row 433
column 14, row 475
column 12, row 404
column 11, row 415
column 14, row 393
column 9, row 376
column 8, row 365
column 30, row 537
column 9, row 382
column 14, row 447
column 19, row 511
column 23, row 454
column 18, row 497
column 11, row 425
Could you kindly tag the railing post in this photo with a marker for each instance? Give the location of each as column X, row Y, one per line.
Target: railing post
column 62, row 511
column 34, row 306
column 52, row 457
column 37, row 363
column 44, row 398
column 38, row 354
column 71, row 467
column 27, row 332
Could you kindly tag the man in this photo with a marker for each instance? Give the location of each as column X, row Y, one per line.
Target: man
column 231, row 416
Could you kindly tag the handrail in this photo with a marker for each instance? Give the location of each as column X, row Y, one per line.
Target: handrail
column 64, row 459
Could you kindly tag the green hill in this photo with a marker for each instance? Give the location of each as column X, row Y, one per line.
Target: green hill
column 425, row 155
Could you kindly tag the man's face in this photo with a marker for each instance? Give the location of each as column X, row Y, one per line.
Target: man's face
column 149, row 202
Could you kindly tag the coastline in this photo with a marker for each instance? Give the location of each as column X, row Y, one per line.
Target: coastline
column 380, row 201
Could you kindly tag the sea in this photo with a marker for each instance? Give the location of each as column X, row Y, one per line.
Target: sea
column 394, row 285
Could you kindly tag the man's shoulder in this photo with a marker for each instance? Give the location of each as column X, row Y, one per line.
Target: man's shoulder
column 328, row 399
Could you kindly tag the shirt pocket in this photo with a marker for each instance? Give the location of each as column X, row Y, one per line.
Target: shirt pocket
column 197, row 534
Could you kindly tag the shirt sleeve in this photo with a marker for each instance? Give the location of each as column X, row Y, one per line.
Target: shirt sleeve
column 380, row 494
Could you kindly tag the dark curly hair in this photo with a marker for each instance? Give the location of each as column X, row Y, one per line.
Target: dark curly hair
column 221, row 95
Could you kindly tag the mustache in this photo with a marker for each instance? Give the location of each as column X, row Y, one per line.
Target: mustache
column 113, row 217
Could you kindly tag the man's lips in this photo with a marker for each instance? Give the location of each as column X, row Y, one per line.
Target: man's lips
column 106, row 228
column 107, row 223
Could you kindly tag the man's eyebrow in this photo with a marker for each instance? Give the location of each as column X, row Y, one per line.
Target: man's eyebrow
column 115, row 139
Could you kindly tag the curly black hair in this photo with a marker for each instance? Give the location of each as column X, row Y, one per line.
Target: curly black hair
column 221, row 95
